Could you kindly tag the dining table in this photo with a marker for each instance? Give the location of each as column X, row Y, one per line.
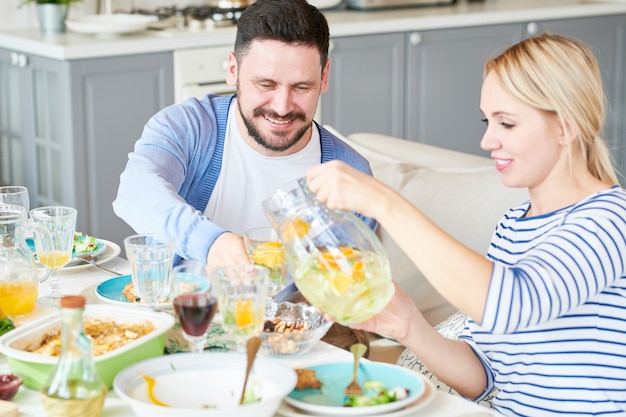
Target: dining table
column 85, row 279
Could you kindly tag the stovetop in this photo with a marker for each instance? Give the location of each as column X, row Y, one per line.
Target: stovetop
column 192, row 17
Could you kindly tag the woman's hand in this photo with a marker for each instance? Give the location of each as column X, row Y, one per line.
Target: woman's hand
column 396, row 319
column 342, row 187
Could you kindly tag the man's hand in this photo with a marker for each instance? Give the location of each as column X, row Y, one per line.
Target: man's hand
column 228, row 249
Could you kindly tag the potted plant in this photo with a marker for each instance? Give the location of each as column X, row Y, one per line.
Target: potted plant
column 51, row 14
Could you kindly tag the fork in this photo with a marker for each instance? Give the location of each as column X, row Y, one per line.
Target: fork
column 358, row 350
column 90, row 260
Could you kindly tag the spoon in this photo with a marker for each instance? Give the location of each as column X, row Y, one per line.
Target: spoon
column 252, row 347
column 358, row 350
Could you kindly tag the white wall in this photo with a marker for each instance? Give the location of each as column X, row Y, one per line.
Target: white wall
column 12, row 16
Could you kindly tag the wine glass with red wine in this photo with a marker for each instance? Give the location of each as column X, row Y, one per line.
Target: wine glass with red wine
column 195, row 302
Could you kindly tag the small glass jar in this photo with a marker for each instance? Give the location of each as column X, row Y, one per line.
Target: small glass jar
column 74, row 388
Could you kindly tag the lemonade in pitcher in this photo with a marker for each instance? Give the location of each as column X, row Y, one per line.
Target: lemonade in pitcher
column 19, row 275
column 347, row 284
column 336, row 260
column 18, row 297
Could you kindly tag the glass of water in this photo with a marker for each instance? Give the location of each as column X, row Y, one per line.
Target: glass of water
column 15, row 195
column 150, row 256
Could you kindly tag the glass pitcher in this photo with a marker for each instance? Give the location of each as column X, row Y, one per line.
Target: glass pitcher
column 336, row 261
column 19, row 275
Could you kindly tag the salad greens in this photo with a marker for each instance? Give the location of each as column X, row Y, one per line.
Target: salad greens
column 6, row 324
column 375, row 393
column 84, row 243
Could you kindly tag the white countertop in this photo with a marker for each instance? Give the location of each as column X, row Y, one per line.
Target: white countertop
column 85, row 281
column 70, row 45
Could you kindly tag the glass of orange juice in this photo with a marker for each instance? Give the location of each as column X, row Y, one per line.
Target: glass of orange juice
column 241, row 292
column 56, row 253
column 265, row 248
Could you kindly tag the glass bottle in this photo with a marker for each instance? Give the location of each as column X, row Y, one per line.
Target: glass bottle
column 74, row 388
column 336, row 261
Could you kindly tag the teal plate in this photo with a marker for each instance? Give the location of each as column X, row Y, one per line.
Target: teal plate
column 112, row 291
column 335, row 377
column 97, row 250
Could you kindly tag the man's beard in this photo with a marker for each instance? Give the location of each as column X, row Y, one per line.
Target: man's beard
column 256, row 135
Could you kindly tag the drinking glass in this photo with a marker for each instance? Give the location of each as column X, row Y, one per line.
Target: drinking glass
column 241, row 296
column 195, row 302
column 150, row 256
column 265, row 248
column 61, row 224
column 15, row 195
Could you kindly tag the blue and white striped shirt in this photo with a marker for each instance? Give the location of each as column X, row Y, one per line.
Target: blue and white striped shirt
column 553, row 336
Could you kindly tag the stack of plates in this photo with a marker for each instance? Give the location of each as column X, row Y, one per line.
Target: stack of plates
column 100, row 24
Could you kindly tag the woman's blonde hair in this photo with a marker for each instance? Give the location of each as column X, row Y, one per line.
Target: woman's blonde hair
column 560, row 76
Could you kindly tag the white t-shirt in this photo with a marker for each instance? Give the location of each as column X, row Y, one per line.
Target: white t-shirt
column 247, row 178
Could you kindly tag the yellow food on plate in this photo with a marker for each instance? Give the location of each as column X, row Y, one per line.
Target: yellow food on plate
column 150, row 383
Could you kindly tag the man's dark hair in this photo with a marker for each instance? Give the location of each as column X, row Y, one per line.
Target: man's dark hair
column 290, row 21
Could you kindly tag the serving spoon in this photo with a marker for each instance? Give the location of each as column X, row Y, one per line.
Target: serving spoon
column 252, row 347
column 358, row 350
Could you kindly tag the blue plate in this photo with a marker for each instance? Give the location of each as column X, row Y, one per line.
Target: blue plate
column 335, row 377
column 97, row 250
column 112, row 291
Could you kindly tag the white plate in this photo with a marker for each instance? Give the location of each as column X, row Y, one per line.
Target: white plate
column 188, row 382
column 109, row 24
column 111, row 252
column 287, row 410
column 325, row 4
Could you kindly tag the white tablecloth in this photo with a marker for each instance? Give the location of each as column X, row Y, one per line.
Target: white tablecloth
column 85, row 282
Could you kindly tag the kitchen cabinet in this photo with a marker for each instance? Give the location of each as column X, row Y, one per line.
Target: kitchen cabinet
column 443, row 83
column 11, row 123
column 66, row 127
column 35, row 127
column 439, row 80
column 366, row 82
column 606, row 36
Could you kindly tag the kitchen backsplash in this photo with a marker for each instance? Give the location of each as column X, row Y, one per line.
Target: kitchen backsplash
column 13, row 17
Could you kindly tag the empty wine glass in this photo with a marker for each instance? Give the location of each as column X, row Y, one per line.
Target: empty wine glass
column 265, row 248
column 15, row 195
column 195, row 302
column 61, row 224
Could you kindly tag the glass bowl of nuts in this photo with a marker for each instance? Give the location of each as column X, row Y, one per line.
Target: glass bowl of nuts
column 292, row 329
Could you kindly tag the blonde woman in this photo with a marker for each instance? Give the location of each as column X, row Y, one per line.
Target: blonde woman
column 546, row 328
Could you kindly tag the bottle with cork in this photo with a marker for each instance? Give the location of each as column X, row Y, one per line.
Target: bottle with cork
column 74, row 388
